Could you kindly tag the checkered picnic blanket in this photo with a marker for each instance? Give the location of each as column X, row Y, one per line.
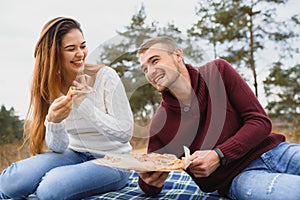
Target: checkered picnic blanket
column 178, row 185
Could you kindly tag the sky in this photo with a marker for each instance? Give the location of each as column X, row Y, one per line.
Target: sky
column 21, row 23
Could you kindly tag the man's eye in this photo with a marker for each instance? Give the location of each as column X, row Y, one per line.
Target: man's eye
column 154, row 61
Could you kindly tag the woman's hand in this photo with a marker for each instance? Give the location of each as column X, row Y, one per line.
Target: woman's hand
column 156, row 179
column 204, row 163
column 60, row 109
column 82, row 86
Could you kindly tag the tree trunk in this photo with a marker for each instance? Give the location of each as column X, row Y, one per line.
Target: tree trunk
column 252, row 64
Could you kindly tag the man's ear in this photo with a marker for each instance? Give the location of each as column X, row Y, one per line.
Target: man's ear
column 179, row 54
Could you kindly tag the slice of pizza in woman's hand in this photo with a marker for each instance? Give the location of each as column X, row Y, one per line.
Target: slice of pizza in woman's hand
column 71, row 92
column 80, row 90
column 145, row 162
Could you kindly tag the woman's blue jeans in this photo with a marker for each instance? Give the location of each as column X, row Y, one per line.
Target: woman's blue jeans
column 70, row 175
column 274, row 175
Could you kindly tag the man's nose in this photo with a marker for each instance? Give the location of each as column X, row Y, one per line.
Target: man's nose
column 151, row 72
column 151, row 69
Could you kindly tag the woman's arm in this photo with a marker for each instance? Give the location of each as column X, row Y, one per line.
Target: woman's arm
column 116, row 121
column 57, row 139
column 56, row 135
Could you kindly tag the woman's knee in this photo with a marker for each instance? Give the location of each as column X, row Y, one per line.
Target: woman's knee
column 66, row 182
column 51, row 186
column 15, row 184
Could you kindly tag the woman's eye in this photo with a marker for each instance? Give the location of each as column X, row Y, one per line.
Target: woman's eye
column 70, row 49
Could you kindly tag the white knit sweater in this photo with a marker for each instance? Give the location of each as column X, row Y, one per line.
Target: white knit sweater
column 103, row 123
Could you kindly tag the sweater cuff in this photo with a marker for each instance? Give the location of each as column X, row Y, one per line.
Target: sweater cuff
column 54, row 126
column 148, row 189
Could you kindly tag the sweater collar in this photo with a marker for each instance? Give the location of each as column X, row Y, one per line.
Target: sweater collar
column 169, row 100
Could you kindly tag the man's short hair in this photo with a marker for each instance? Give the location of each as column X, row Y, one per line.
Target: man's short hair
column 169, row 44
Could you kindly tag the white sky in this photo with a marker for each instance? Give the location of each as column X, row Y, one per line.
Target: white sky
column 22, row 20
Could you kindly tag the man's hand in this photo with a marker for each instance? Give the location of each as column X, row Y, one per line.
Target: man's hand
column 156, row 179
column 60, row 109
column 204, row 163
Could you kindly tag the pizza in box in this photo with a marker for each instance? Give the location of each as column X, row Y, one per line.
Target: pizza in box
column 143, row 162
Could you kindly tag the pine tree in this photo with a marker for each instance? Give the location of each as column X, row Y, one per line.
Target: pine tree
column 120, row 54
column 239, row 29
column 11, row 128
column 282, row 87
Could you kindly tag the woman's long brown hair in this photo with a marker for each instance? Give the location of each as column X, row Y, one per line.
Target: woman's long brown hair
column 47, row 79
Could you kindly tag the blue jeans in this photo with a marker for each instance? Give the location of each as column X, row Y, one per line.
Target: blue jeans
column 274, row 175
column 70, row 175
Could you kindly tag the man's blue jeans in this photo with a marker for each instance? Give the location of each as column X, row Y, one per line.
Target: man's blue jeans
column 274, row 175
column 71, row 175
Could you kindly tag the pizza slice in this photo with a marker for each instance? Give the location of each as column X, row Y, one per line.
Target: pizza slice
column 71, row 92
column 143, row 162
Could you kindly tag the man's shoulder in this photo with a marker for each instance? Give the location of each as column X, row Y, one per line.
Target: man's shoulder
column 219, row 62
column 218, row 65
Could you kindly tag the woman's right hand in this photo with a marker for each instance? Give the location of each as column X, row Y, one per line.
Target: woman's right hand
column 60, row 109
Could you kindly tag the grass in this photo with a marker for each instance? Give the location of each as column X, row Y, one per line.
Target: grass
column 11, row 152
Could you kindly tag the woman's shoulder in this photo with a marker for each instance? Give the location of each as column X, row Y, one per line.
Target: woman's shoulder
column 107, row 74
column 107, row 71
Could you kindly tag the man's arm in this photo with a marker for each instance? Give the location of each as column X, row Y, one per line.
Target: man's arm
column 256, row 123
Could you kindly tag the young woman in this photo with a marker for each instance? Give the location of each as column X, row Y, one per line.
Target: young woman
column 68, row 131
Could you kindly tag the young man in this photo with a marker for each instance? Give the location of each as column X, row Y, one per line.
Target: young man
column 212, row 108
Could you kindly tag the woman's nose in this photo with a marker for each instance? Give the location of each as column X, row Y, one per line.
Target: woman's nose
column 80, row 53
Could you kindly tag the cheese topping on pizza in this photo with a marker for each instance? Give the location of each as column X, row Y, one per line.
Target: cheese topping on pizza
column 145, row 162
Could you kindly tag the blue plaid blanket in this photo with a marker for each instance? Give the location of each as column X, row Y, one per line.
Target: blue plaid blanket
column 178, row 185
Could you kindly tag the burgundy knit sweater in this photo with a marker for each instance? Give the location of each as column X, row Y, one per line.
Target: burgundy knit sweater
column 224, row 113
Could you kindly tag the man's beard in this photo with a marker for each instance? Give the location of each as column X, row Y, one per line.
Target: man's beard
column 169, row 85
